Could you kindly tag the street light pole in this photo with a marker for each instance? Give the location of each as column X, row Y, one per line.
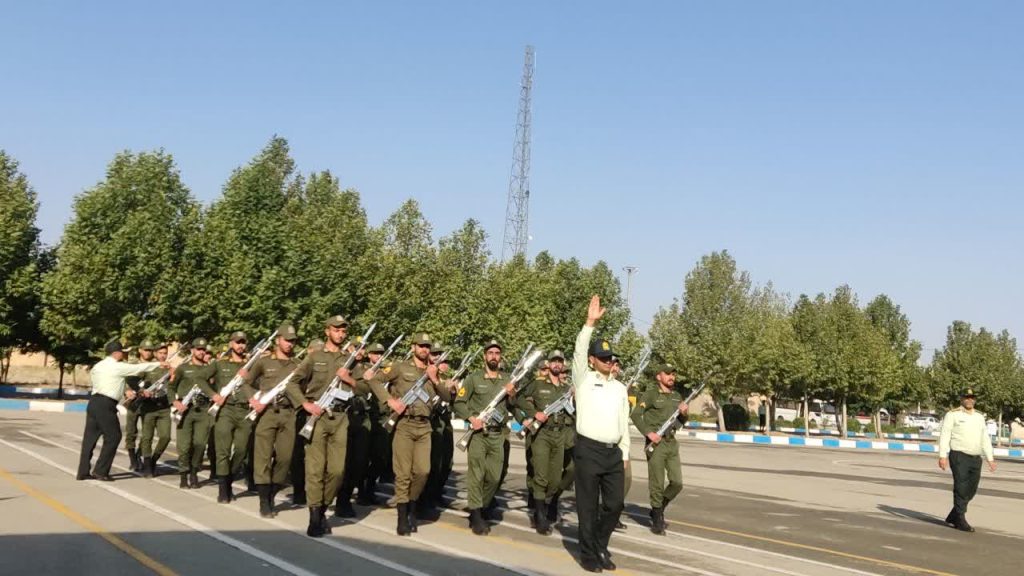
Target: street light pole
column 629, row 284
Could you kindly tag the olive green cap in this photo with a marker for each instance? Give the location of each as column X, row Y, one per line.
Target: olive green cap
column 336, row 321
column 421, row 339
column 200, row 343
column 376, row 348
column 287, row 331
column 492, row 343
column 148, row 344
column 556, row 355
column 238, row 336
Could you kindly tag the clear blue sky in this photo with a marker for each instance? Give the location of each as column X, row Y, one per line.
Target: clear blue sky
column 872, row 143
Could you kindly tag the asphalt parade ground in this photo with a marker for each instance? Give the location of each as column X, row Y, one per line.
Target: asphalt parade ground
column 744, row 510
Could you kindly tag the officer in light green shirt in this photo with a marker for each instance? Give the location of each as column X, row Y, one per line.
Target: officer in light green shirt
column 962, row 444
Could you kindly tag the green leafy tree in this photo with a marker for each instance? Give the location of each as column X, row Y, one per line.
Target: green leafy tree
column 911, row 387
column 21, row 264
column 702, row 334
column 117, row 263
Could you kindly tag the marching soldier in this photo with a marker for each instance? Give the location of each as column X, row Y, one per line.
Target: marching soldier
column 653, row 408
column 379, row 439
column 325, row 450
column 357, row 454
column 548, row 443
column 232, row 429
column 275, row 425
column 156, row 417
column 411, row 444
column 486, row 448
column 568, row 462
column 298, row 468
column 194, row 427
column 442, row 440
column 133, row 415
column 962, row 443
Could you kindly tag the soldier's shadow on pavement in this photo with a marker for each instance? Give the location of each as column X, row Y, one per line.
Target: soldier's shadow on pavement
column 912, row 515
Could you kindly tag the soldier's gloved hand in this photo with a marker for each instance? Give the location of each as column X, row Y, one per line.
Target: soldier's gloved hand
column 396, row 405
column 540, row 417
column 476, row 423
column 218, row 399
column 312, row 408
column 653, row 437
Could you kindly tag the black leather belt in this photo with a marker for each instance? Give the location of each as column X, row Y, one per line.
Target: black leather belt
column 586, row 440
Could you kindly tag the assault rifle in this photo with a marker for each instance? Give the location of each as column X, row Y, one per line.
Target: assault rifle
column 334, row 392
column 417, row 392
column 494, row 413
column 160, row 385
column 236, row 381
column 669, row 427
column 564, row 402
column 269, row 396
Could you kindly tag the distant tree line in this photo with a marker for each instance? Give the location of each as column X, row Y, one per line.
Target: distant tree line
column 142, row 258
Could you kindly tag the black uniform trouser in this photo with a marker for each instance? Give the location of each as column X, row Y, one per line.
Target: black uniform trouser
column 100, row 420
column 599, row 477
column 377, row 460
column 298, row 466
column 966, row 475
column 357, row 458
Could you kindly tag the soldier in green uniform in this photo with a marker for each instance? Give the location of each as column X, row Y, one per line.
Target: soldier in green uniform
column 963, row 443
column 194, row 427
column 523, row 415
column 568, row 464
column 274, row 438
column 411, row 443
column 358, row 448
column 156, row 417
column 379, row 452
column 653, row 408
column 132, row 415
column 486, row 447
column 548, row 443
column 325, row 450
column 441, row 440
column 232, row 429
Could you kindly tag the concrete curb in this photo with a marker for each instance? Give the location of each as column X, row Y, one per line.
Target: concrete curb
column 7, row 390
column 832, row 443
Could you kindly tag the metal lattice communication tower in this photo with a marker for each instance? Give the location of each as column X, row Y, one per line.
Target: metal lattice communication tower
column 517, row 229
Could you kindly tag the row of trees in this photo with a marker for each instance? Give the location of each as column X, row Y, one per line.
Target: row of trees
column 142, row 257
column 742, row 339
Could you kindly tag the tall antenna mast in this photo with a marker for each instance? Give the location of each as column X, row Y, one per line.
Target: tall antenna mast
column 517, row 229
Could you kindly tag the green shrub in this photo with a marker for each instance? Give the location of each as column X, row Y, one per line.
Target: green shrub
column 854, row 426
column 798, row 422
column 736, row 417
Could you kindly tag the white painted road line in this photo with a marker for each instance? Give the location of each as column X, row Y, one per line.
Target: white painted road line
column 187, row 522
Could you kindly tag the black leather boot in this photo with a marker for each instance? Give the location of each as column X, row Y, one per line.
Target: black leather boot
column 951, row 518
column 477, row 523
column 133, row 460
column 403, row 528
column 658, row 521
column 224, row 494
column 413, row 521
column 343, row 508
column 553, row 510
column 540, row 519
column 266, row 506
column 315, row 528
column 193, row 480
column 323, row 520
column 184, row 480
column 148, row 467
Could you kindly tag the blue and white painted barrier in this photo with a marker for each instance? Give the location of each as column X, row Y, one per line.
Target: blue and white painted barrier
column 8, row 390
column 727, row 437
column 41, row 405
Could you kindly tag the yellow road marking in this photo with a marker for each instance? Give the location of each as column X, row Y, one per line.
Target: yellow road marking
column 89, row 525
column 869, row 559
